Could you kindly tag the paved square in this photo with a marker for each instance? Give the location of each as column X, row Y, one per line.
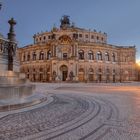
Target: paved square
column 77, row 111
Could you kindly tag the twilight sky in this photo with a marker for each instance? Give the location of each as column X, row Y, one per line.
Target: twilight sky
column 118, row 18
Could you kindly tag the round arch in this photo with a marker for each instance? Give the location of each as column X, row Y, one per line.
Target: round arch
column 64, row 72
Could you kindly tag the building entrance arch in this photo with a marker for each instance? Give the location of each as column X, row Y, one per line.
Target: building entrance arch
column 64, row 72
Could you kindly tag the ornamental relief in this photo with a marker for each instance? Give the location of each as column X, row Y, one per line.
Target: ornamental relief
column 63, row 49
column 65, row 40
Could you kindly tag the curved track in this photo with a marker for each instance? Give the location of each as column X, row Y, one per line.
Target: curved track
column 78, row 117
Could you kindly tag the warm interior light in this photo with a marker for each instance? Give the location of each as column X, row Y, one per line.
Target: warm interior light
column 138, row 62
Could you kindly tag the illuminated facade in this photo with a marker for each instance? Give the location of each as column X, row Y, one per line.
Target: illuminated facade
column 71, row 54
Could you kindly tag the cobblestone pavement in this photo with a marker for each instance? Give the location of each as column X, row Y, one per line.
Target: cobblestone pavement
column 77, row 112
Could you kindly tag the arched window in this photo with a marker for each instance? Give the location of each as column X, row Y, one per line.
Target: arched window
column 90, row 74
column 90, row 55
column 24, row 57
column 41, row 55
column 28, row 57
column 41, row 69
column 106, row 56
column 114, row 71
column 36, row 40
column 99, row 70
column 48, row 54
column 44, row 37
column 113, row 57
column 34, row 55
column 33, row 69
column 107, row 70
column 81, row 54
column 99, row 55
column 27, row 73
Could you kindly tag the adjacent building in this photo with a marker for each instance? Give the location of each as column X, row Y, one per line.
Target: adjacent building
column 70, row 53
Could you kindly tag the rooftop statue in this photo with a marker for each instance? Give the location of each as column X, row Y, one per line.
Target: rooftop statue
column 65, row 22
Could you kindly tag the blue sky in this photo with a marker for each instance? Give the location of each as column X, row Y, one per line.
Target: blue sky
column 118, row 18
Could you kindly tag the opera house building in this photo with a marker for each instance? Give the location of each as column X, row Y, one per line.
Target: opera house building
column 74, row 54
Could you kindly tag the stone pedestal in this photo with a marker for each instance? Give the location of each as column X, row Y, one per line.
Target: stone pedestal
column 17, row 92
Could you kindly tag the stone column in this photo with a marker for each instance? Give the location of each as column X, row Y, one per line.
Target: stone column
column 12, row 44
column 73, row 50
column 54, row 51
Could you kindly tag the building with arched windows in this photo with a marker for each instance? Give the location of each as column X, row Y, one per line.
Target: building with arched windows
column 70, row 53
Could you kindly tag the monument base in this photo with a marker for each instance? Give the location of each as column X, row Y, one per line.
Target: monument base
column 17, row 92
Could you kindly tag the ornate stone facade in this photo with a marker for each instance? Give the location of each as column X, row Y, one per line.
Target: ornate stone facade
column 70, row 53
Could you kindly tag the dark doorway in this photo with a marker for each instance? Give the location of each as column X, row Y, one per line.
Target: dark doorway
column 99, row 78
column 64, row 75
column 64, row 70
column 114, row 78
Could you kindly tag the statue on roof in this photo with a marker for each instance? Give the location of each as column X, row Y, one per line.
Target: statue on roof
column 65, row 22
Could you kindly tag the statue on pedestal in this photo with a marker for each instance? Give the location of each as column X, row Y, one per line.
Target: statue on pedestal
column 15, row 89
